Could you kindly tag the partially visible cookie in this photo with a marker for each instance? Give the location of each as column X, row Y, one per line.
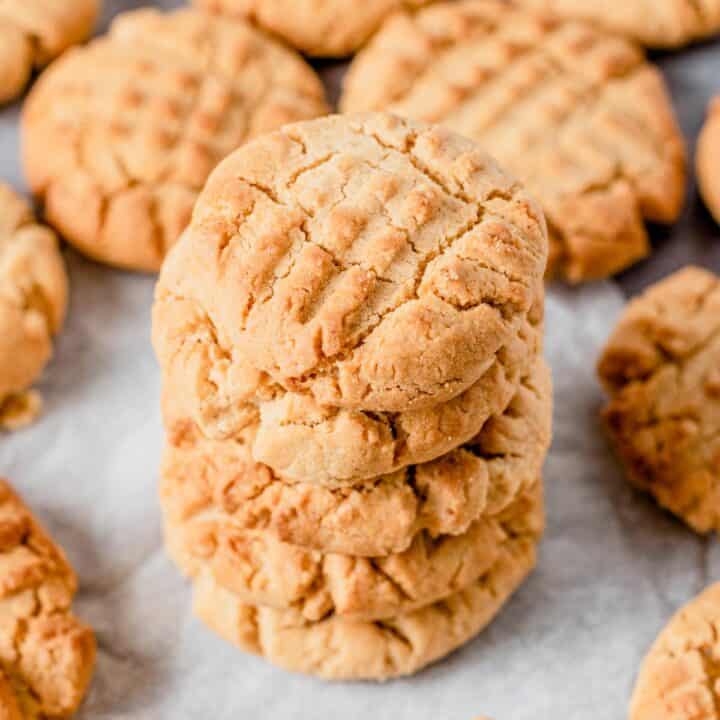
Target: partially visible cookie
column 120, row 136
column 33, row 300
column 371, row 262
column 678, row 679
column 33, row 32
column 444, row 496
column 577, row 114
column 708, row 160
column 661, row 368
column 262, row 571
column 331, row 28
column 47, row 655
column 340, row 649
column 655, row 23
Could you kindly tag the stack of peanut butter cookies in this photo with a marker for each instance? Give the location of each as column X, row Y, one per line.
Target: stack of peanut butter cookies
column 356, row 405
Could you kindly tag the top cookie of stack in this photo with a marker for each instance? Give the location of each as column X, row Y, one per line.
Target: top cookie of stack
column 365, row 290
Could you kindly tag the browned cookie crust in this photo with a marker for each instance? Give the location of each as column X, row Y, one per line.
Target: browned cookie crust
column 444, row 496
column 655, row 23
column 708, row 160
column 662, row 369
column 678, row 679
column 120, row 136
column 576, row 113
column 46, row 655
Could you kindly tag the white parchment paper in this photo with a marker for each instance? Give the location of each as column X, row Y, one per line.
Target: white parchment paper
column 612, row 570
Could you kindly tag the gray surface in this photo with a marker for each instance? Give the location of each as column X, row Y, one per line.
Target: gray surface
column 612, row 568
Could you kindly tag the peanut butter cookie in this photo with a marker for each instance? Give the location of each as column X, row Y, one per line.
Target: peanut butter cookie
column 444, row 496
column 33, row 32
column 577, row 114
column 120, row 136
column 370, row 262
column 708, row 160
column 262, row 571
column 330, row 28
column 661, row 368
column 33, row 300
column 678, row 679
column 655, row 23
column 46, row 655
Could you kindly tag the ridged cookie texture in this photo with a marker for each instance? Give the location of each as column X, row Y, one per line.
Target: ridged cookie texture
column 442, row 497
column 678, row 679
column 655, row 23
column 332, row 28
column 33, row 32
column 304, row 441
column 33, row 301
column 661, row 368
column 370, row 262
column 707, row 161
column 576, row 113
column 337, row 648
column 262, row 571
column 47, row 656
column 120, row 136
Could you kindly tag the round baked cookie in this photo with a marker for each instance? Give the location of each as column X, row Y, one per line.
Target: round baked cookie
column 262, row 571
column 336, row 648
column 304, row 441
column 120, row 136
column 323, row 28
column 33, row 32
column 444, row 496
column 371, row 262
column 708, row 160
column 33, row 300
column 678, row 679
column 661, row 368
column 655, row 23
column 577, row 114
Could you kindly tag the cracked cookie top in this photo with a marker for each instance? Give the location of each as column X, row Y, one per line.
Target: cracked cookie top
column 442, row 497
column 46, row 654
column 577, row 114
column 655, row 23
column 332, row 28
column 33, row 32
column 120, row 136
column 708, row 160
column 263, row 571
column 661, row 367
column 33, row 300
column 369, row 261
column 678, row 679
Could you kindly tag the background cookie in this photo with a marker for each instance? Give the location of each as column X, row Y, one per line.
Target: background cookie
column 662, row 369
column 331, row 28
column 33, row 32
column 47, row 655
column 678, row 679
column 577, row 114
column 656, row 23
column 708, row 160
column 371, row 262
column 33, row 300
column 120, row 136
column 263, row 571
column 443, row 497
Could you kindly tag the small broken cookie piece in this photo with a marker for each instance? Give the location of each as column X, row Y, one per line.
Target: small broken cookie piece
column 678, row 679
column 661, row 368
column 33, row 301
column 47, row 655
column 707, row 160
column 33, row 32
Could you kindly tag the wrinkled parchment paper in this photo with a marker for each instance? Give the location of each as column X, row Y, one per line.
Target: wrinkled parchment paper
column 612, row 569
